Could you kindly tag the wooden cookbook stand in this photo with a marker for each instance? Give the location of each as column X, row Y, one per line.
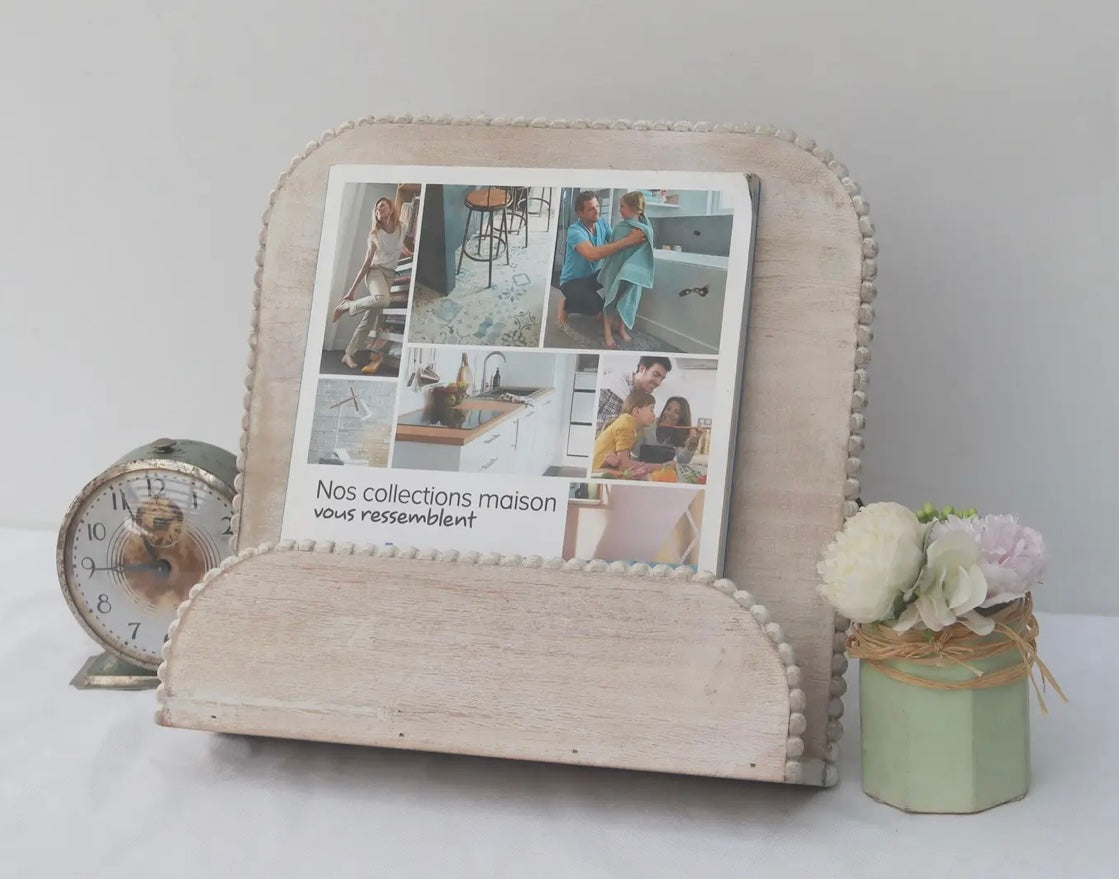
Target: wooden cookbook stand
column 526, row 658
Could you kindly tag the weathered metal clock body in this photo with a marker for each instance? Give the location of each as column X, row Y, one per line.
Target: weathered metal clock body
column 136, row 539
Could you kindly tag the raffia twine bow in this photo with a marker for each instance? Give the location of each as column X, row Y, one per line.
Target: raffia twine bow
column 1016, row 628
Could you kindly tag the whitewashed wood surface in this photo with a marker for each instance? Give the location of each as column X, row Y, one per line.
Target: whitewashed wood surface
column 626, row 666
column 799, row 443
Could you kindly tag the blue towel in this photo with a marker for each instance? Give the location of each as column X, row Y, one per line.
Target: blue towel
column 628, row 272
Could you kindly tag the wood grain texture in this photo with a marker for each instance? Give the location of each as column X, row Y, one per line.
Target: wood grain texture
column 804, row 397
column 615, row 666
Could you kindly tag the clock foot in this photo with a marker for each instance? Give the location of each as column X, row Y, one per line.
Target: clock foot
column 109, row 672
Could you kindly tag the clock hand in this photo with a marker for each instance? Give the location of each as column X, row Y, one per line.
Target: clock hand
column 144, row 539
column 161, row 567
column 149, row 548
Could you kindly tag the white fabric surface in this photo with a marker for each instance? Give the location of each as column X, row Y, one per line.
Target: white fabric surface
column 91, row 786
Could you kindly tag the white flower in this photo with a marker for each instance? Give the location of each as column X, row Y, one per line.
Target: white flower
column 872, row 561
column 1011, row 556
column 951, row 586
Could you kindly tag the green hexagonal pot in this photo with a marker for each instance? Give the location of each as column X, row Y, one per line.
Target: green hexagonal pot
column 950, row 751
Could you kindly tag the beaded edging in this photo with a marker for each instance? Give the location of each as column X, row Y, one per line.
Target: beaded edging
column 867, row 294
column 794, row 743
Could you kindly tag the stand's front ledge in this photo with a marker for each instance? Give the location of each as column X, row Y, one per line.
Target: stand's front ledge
column 570, row 662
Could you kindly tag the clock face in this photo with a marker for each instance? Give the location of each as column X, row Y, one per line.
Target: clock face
column 134, row 549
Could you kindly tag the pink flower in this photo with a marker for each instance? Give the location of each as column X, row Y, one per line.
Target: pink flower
column 1011, row 556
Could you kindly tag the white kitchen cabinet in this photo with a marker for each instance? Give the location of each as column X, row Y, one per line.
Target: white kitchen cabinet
column 527, row 427
column 580, row 440
column 537, row 434
column 491, row 452
column 410, row 455
column 523, row 444
column 585, row 381
column 583, row 407
column 548, row 434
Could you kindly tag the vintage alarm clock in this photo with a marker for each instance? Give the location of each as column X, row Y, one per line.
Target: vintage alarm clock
column 132, row 544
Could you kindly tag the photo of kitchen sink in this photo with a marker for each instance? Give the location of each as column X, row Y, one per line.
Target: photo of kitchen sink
column 496, row 411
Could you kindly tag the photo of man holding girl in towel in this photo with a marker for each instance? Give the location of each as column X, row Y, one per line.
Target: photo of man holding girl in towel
column 618, row 261
column 645, row 269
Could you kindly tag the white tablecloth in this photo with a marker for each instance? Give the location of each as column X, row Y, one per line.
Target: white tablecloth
column 91, row 786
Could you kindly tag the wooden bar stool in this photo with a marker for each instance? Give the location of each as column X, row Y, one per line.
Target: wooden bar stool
column 545, row 202
column 486, row 202
column 518, row 210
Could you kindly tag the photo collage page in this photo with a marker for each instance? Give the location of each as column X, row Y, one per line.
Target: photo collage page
column 524, row 361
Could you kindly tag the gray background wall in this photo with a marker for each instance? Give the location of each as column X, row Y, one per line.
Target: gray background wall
column 140, row 143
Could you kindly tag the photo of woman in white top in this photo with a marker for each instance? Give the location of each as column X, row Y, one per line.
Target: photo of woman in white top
column 378, row 269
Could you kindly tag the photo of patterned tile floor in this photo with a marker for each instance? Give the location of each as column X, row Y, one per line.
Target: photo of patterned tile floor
column 508, row 313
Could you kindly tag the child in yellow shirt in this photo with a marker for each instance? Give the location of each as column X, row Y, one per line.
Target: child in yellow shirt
column 613, row 447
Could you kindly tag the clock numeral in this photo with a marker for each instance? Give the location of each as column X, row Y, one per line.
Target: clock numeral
column 228, row 520
column 89, row 565
column 135, row 629
column 158, row 491
column 193, row 499
column 95, row 530
column 120, row 502
column 103, row 605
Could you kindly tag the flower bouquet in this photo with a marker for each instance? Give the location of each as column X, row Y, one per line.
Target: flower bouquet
column 943, row 625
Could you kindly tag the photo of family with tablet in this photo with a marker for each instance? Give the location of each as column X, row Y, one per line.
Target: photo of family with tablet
column 653, row 418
